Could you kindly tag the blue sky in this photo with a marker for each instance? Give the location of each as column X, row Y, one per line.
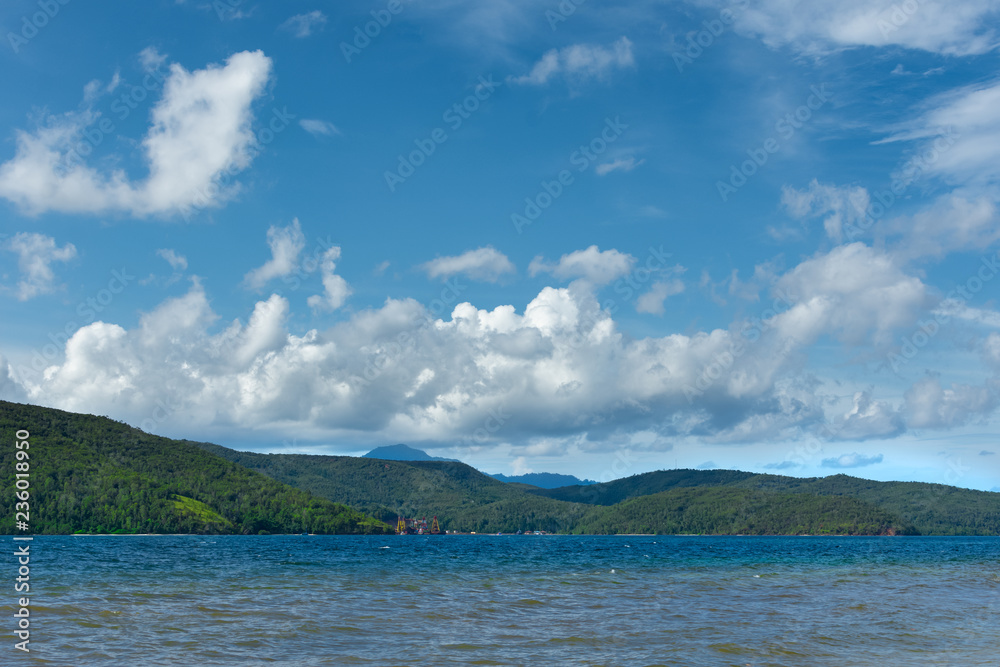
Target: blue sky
column 598, row 238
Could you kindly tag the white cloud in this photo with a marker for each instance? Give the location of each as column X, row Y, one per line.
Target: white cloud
column 10, row 388
column 177, row 262
column 593, row 265
column 957, row 221
column 651, row 211
column 335, row 288
column 929, row 405
column 852, row 292
column 854, row 460
column 318, row 128
column 867, row 418
column 520, row 466
column 302, row 25
column 814, row 26
column 652, row 301
column 201, row 128
column 990, row 349
column 580, row 62
column 959, row 309
column 487, row 264
column 151, row 59
column 962, row 136
column 840, row 205
column 621, row 164
column 36, row 255
column 286, row 244
column 561, row 369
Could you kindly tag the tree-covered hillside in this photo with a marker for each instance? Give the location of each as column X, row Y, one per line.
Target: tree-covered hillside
column 729, row 511
column 462, row 498
column 93, row 474
column 931, row 509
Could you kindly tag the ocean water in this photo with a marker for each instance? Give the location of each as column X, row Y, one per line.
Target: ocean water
column 510, row 600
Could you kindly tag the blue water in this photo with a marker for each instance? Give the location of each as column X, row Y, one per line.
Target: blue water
column 511, row 600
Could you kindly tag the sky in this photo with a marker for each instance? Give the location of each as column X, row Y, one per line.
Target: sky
column 588, row 237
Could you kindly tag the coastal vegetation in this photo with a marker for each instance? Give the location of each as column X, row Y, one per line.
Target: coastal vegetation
column 662, row 502
column 95, row 475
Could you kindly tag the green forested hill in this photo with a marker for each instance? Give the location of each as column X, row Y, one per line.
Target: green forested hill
column 462, row 498
column 93, row 474
column 733, row 510
column 645, row 484
column 670, row 501
column 931, row 509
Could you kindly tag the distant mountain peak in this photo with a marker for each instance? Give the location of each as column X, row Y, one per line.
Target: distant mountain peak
column 544, row 480
column 403, row 453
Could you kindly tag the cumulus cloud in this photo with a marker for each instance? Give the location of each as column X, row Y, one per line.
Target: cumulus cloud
column 561, row 369
column 286, row 244
column 814, row 26
column 36, row 255
column 928, row 404
column 177, row 262
column 318, row 128
column 335, row 288
column 867, row 418
column 486, row 264
column 592, row 264
column 302, row 25
column 853, row 292
column 579, row 62
column 201, row 128
column 652, row 301
column 854, row 460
